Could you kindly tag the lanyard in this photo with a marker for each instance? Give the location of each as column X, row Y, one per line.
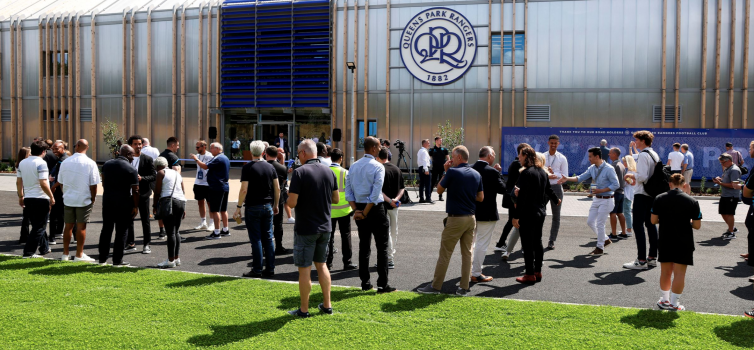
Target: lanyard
column 554, row 158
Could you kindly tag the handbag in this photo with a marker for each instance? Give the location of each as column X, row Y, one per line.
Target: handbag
column 165, row 208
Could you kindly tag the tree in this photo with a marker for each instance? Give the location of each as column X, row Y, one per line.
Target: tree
column 111, row 134
column 450, row 137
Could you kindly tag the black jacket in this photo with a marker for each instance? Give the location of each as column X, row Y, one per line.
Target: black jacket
column 492, row 182
column 534, row 190
column 286, row 146
column 514, row 171
column 148, row 175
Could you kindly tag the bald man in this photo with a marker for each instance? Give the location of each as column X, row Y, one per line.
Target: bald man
column 120, row 201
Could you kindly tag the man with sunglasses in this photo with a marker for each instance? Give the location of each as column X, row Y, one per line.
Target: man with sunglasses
column 201, row 186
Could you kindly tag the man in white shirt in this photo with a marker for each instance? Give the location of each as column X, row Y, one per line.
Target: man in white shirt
column 79, row 176
column 323, row 155
column 675, row 159
column 149, row 150
column 557, row 164
column 642, row 213
column 201, row 187
column 35, row 197
column 425, row 185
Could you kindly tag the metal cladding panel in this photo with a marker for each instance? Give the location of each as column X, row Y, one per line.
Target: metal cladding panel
column 5, row 64
column 192, row 52
column 140, row 57
column 30, row 121
column 192, row 120
column 140, row 121
column 109, row 48
column 30, row 57
column 85, row 55
column 162, row 125
column 162, row 57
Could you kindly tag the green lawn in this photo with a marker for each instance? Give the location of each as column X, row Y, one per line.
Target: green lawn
column 50, row 304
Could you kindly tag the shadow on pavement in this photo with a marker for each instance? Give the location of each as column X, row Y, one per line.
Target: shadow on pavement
column 222, row 245
column 578, row 262
column 201, row 282
column 742, row 269
column 625, row 278
column 501, row 292
column 418, row 301
column 743, row 292
column 739, row 333
column 224, row 261
column 714, row 242
column 651, row 319
column 222, row 335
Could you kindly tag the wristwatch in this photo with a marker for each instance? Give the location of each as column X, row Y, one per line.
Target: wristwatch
column 239, row 206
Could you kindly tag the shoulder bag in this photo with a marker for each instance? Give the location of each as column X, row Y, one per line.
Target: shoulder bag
column 165, row 208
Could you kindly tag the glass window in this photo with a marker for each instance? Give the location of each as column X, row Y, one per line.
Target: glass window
column 371, row 132
column 507, row 42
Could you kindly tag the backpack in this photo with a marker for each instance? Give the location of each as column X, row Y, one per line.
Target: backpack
column 658, row 183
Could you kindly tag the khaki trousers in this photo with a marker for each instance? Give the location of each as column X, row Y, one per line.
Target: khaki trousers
column 456, row 229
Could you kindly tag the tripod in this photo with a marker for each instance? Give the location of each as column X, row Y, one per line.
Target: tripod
column 402, row 157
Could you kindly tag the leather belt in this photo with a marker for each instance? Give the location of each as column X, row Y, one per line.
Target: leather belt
column 604, row 197
column 459, row 215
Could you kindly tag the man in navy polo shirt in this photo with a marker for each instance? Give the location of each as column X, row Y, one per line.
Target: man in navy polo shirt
column 218, row 170
column 466, row 184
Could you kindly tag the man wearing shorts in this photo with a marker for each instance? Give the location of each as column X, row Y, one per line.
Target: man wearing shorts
column 730, row 193
column 218, row 170
column 201, row 187
column 317, row 188
column 79, row 177
column 616, row 215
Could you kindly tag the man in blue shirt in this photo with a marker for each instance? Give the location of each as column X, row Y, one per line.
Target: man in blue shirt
column 364, row 194
column 467, row 190
column 688, row 163
column 604, row 183
column 218, row 170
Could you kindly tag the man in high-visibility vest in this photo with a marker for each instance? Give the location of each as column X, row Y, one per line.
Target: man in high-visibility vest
column 340, row 214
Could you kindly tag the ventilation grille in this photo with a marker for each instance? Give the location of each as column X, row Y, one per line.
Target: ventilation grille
column 5, row 117
column 669, row 114
column 538, row 113
column 85, row 115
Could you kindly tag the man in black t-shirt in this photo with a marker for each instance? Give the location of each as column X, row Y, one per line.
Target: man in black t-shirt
column 120, row 200
column 439, row 155
column 392, row 191
column 277, row 221
column 316, row 187
column 259, row 209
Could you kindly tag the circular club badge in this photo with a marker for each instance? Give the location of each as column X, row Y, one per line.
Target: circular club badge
column 438, row 46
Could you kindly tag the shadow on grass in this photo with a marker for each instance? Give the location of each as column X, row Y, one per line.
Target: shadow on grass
column 70, row 269
column 25, row 264
column 222, row 335
column 291, row 303
column 739, row 333
column 201, row 282
column 417, row 301
column 651, row 319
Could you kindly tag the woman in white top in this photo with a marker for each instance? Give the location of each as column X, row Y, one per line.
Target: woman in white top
column 628, row 191
column 169, row 183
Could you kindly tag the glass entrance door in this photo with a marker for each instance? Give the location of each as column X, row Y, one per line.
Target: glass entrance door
column 271, row 133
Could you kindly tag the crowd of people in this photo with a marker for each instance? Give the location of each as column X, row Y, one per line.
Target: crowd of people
column 636, row 192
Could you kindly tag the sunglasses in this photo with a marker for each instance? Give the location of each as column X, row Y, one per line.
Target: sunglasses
column 198, row 147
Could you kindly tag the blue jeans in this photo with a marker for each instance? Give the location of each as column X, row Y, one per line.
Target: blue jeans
column 627, row 213
column 259, row 225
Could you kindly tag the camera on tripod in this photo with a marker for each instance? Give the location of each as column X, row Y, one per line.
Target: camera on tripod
column 400, row 145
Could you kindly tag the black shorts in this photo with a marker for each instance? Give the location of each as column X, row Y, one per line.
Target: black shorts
column 218, row 201
column 618, row 198
column 201, row 192
column 676, row 256
column 727, row 206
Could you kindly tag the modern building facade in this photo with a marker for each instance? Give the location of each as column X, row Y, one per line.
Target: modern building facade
column 257, row 68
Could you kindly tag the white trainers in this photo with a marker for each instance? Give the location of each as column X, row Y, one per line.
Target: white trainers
column 630, row 233
column 664, row 305
column 635, row 265
column 84, row 258
column 202, row 226
column 651, row 262
column 178, row 262
column 678, row 307
column 291, row 220
column 210, row 226
column 65, row 257
column 146, row 250
column 32, row 256
column 166, row 264
column 505, row 256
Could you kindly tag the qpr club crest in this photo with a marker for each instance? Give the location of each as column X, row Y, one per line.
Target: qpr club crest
column 438, row 46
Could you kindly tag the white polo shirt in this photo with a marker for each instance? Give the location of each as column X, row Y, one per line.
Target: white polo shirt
column 77, row 173
column 31, row 170
column 201, row 174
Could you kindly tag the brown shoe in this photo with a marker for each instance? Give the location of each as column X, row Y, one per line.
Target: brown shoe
column 597, row 252
column 745, row 256
column 527, row 279
column 608, row 242
column 538, row 276
column 481, row 278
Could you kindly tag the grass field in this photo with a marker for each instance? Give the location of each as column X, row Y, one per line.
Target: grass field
column 50, row 304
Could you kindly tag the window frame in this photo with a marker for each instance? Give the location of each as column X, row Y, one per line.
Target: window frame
column 501, row 49
column 360, row 130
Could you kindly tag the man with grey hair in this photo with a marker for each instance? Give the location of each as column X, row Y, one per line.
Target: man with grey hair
column 486, row 214
column 120, row 202
column 730, row 192
column 147, row 149
column 313, row 190
column 604, row 150
column 218, row 172
column 259, row 209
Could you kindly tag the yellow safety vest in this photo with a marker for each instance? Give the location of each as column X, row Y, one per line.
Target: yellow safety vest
column 342, row 208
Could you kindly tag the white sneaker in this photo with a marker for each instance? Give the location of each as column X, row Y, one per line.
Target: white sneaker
column 505, row 256
column 146, row 250
column 630, row 233
column 202, row 226
column 32, row 256
column 635, row 265
column 678, row 307
column 210, row 226
column 652, row 262
column 84, row 258
column 65, row 257
column 166, row 264
column 291, row 220
column 664, row 305
column 178, row 262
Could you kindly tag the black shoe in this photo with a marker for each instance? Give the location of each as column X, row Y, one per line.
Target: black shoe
column 366, row 287
column 268, row 274
column 47, row 252
column 350, row 267
column 329, row 267
column 282, row 251
column 324, row 310
column 162, row 237
column 122, row 264
column 551, row 245
column 131, row 249
column 385, row 289
column 298, row 313
column 252, row 274
column 440, row 199
column 390, row 265
column 421, row 200
column 335, row 250
column 429, row 201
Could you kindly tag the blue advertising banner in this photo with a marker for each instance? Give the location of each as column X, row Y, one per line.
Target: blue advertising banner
column 705, row 144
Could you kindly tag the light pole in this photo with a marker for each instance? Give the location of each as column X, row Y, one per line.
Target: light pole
column 352, row 67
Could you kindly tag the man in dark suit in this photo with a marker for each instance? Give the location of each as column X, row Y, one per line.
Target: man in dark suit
column 486, row 210
column 144, row 165
column 281, row 142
